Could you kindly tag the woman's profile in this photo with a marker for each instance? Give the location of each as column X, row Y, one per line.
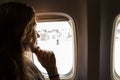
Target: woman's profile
column 18, row 38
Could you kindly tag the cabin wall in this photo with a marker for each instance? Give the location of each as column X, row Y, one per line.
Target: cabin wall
column 109, row 10
column 105, row 39
column 93, row 13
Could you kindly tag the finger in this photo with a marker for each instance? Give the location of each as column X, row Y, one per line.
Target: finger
column 37, row 51
column 49, row 54
column 44, row 56
column 40, row 55
column 52, row 56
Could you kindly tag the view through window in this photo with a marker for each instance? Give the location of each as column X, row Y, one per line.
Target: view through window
column 57, row 36
column 117, row 50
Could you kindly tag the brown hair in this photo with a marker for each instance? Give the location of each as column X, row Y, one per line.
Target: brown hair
column 17, row 22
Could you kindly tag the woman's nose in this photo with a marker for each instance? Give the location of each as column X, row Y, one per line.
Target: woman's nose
column 38, row 36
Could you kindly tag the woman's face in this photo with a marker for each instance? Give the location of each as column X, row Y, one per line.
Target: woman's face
column 35, row 36
column 30, row 35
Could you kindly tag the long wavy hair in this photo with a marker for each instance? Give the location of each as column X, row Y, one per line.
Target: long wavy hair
column 17, row 32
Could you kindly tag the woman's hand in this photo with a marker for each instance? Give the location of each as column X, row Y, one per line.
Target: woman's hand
column 48, row 61
column 46, row 58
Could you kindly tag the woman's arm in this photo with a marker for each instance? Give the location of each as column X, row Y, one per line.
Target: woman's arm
column 48, row 61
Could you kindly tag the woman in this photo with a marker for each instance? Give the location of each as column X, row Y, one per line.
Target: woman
column 18, row 38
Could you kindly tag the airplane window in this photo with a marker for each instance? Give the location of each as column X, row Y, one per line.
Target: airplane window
column 116, row 50
column 57, row 36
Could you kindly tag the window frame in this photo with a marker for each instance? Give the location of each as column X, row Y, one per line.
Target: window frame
column 57, row 16
column 113, row 73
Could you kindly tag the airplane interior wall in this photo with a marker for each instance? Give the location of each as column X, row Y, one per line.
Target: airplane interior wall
column 105, row 39
column 94, row 22
column 109, row 11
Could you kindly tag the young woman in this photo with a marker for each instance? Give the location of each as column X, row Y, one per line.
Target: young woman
column 18, row 38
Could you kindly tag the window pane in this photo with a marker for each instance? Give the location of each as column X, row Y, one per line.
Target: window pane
column 57, row 36
column 117, row 49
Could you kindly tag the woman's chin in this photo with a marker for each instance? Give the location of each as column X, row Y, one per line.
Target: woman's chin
column 33, row 48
